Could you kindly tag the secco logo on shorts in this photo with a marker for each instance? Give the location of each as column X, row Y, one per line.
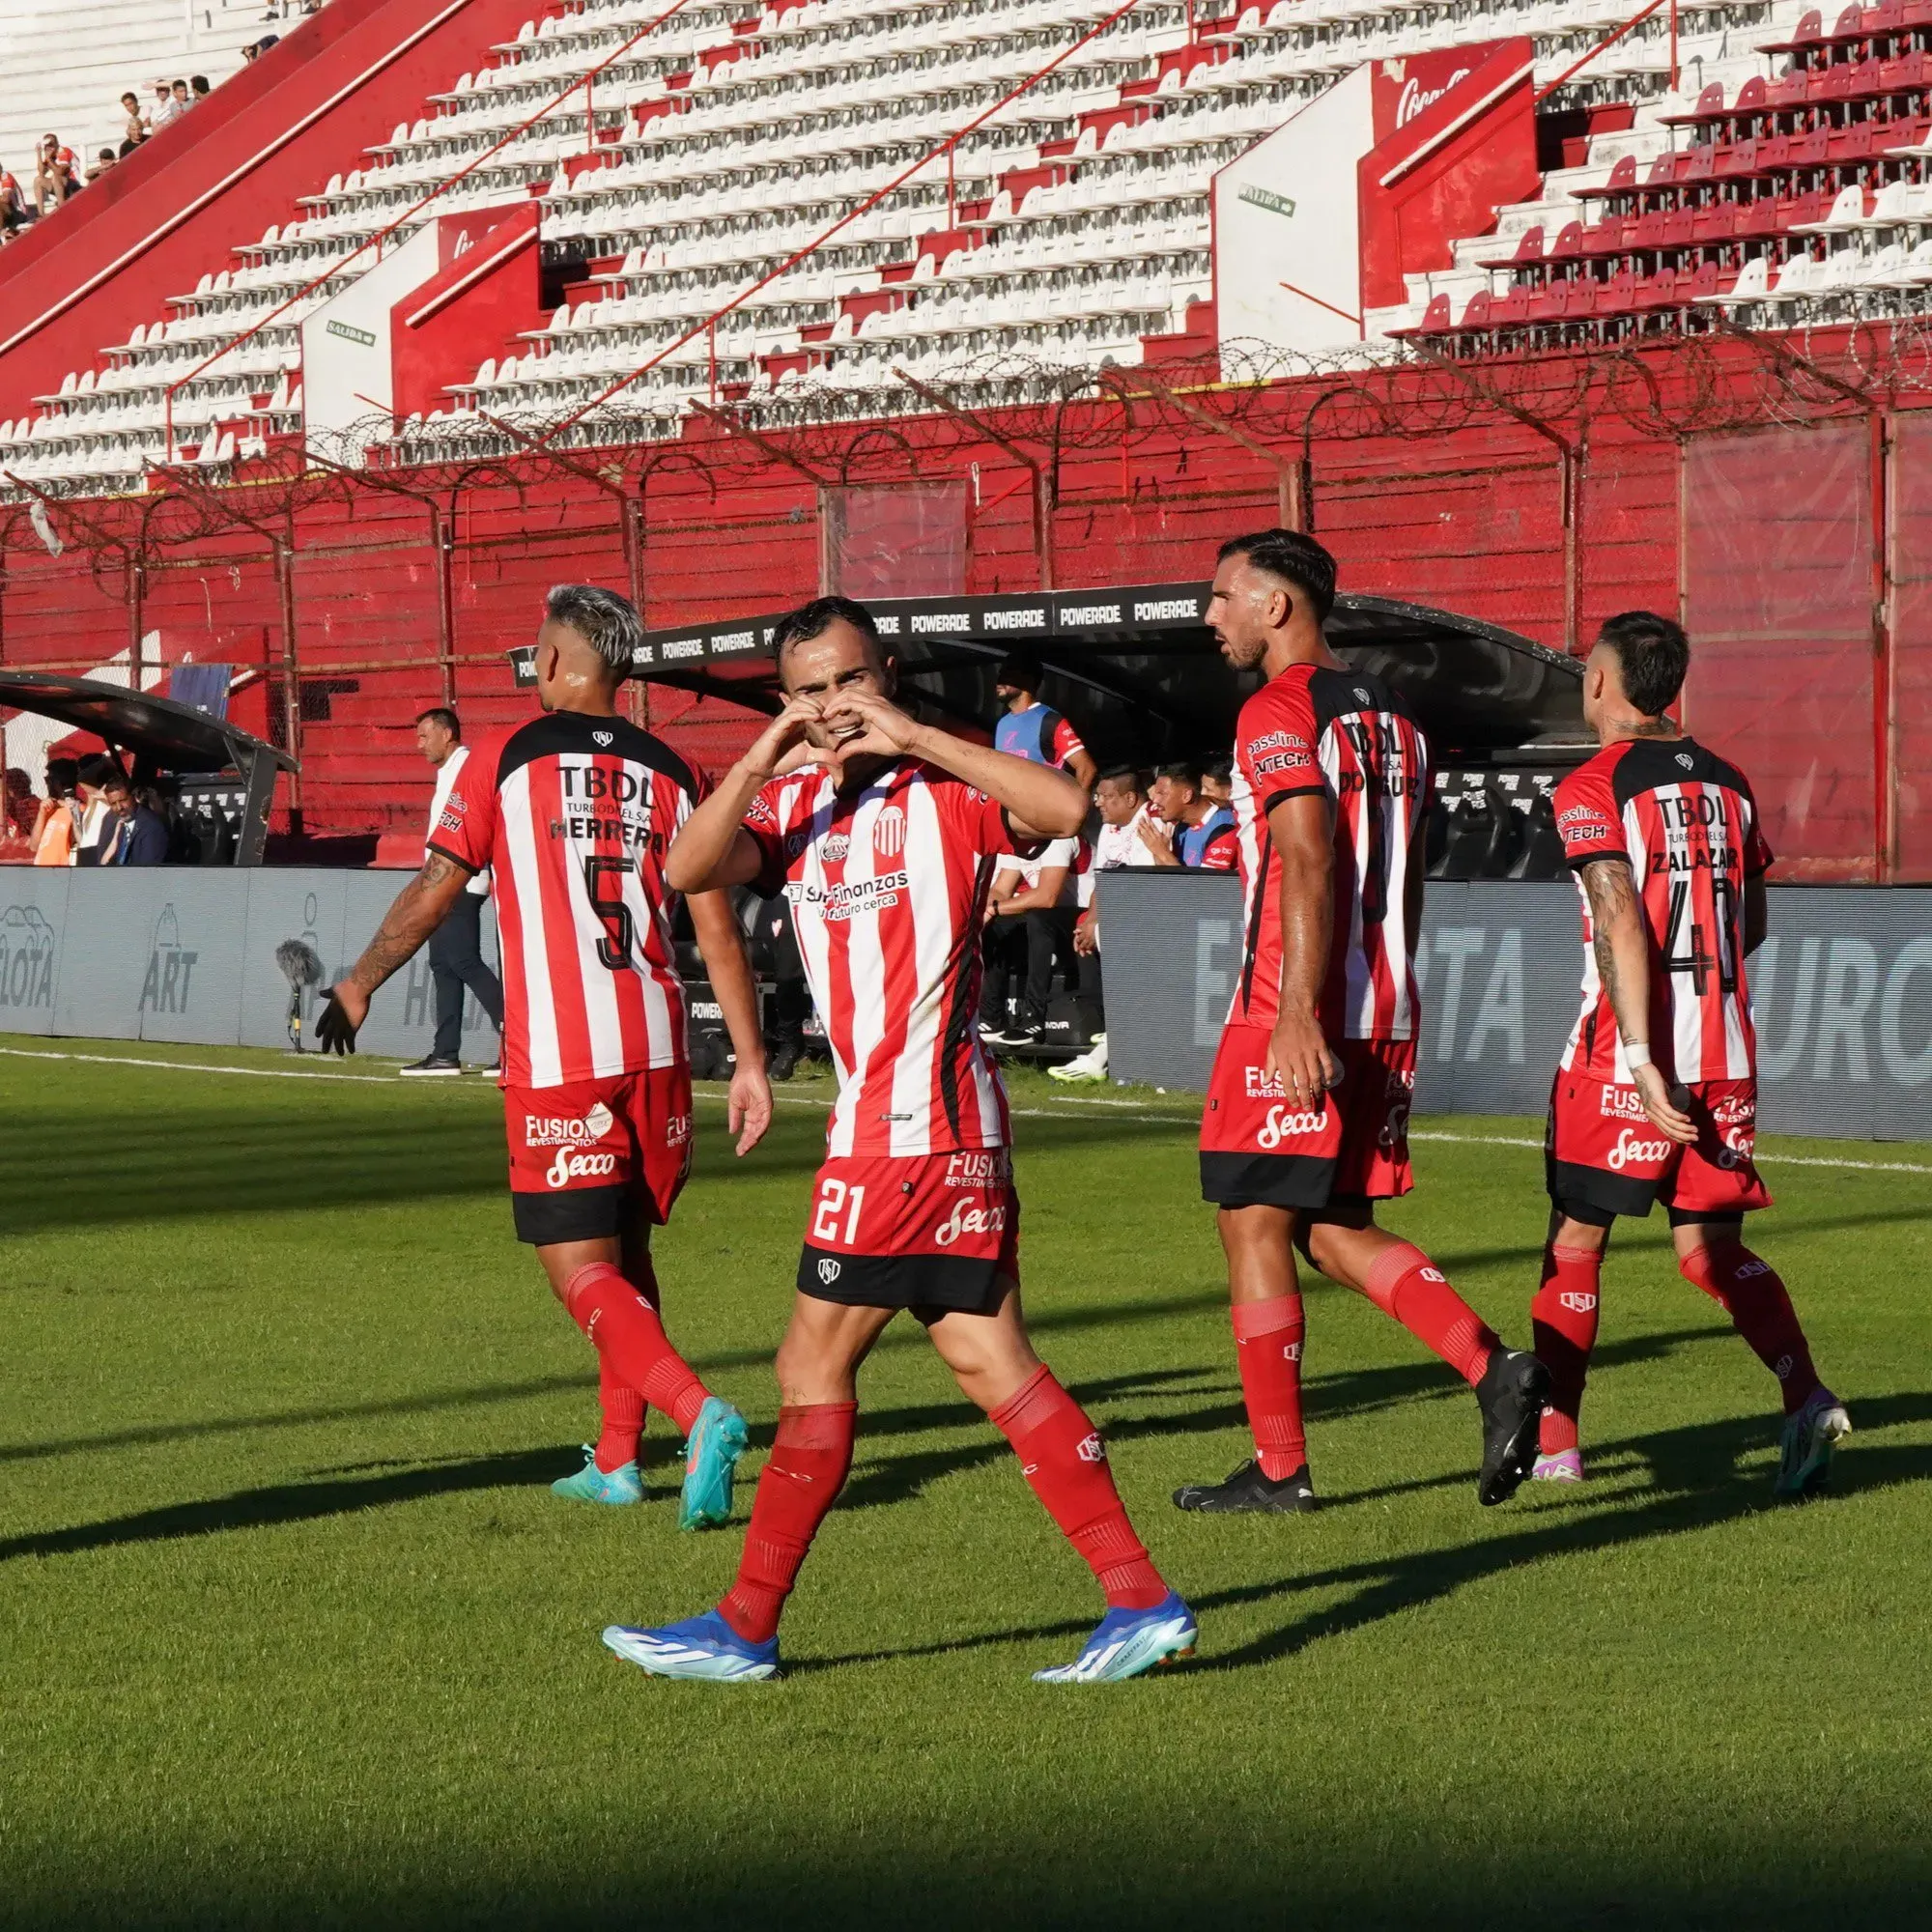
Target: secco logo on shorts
column 569, row 1166
column 566, row 1130
column 1629, row 1149
column 1281, row 1124
column 971, row 1221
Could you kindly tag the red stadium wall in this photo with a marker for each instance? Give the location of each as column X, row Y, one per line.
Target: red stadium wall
column 177, row 208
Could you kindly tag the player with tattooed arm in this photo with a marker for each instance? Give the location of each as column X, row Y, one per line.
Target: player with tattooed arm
column 574, row 812
column 1656, row 1098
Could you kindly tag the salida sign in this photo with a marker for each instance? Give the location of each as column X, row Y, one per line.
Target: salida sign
column 27, row 945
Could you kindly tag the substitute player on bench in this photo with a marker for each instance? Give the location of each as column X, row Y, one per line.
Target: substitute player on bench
column 1306, row 1125
column 574, row 812
column 885, row 850
column 1657, row 1095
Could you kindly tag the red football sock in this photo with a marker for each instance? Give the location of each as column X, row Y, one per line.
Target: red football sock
column 1564, row 1318
column 623, row 1418
column 1063, row 1456
column 811, row 1455
column 1404, row 1282
column 1267, row 1345
column 1751, row 1293
column 625, row 1330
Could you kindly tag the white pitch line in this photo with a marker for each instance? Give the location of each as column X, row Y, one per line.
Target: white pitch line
column 824, row 1106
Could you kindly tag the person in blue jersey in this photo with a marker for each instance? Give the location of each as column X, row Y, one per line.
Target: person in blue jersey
column 1030, row 730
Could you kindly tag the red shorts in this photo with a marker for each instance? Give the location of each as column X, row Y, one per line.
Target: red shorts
column 1601, row 1151
column 938, row 1231
column 1259, row 1149
column 589, row 1157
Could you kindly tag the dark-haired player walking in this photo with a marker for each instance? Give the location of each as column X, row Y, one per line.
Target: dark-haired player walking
column 1306, row 1125
column 573, row 813
column 1657, row 1095
column 885, row 849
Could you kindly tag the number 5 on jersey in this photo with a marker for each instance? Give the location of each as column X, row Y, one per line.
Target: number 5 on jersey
column 604, row 883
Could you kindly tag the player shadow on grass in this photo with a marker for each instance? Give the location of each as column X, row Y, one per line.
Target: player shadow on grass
column 341, row 1493
column 1705, row 1483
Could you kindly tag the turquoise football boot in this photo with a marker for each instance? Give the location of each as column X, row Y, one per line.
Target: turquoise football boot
column 592, row 1485
column 711, row 1452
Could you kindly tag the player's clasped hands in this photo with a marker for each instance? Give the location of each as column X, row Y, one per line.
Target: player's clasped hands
column 862, row 724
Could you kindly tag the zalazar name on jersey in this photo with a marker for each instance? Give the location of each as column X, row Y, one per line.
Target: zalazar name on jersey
column 1347, row 737
column 887, row 885
column 575, row 815
column 1688, row 825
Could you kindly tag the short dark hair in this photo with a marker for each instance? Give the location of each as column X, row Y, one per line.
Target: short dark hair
column 1022, row 670
column 609, row 623
column 199, row 82
column 1116, row 774
column 98, row 770
column 117, row 781
column 1652, row 654
column 1222, row 768
column 1183, row 770
column 445, row 716
column 814, row 619
column 62, row 772
column 1292, row 558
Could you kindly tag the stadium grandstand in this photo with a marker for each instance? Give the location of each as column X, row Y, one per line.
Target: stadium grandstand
column 429, row 304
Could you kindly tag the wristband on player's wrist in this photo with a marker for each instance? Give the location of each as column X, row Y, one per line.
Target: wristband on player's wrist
column 1636, row 1054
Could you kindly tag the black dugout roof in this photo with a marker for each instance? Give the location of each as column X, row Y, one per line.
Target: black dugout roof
column 1138, row 671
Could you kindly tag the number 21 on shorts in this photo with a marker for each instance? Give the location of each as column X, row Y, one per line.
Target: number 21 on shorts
column 834, row 1199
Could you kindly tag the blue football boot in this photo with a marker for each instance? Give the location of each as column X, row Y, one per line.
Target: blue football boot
column 1127, row 1642
column 704, row 1647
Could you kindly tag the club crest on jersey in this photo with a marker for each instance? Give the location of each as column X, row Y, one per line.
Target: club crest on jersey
column 1361, row 695
column 1685, row 760
column 796, row 842
column 829, row 1271
column 889, row 832
column 604, row 739
column 836, row 847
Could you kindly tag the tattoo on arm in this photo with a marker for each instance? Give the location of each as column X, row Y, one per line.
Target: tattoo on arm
column 1612, row 895
column 408, row 922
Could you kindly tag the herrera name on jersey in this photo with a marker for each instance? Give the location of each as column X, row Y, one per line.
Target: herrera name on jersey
column 887, row 885
column 575, row 815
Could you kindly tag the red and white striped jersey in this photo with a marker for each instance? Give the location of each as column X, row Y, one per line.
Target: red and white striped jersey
column 1688, row 825
column 1344, row 734
column 886, row 884
column 574, row 816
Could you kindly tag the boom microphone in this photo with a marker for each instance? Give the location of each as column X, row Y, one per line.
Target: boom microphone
column 301, row 968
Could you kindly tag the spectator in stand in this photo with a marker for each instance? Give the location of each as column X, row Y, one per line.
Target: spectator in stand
column 1030, row 914
column 19, row 814
column 102, row 161
column 456, row 946
column 14, row 214
column 141, row 834
column 197, row 89
column 1186, row 828
column 135, row 129
column 1031, row 729
column 1122, row 797
column 170, row 105
column 99, row 834
column 59, row 818
column 55, row 174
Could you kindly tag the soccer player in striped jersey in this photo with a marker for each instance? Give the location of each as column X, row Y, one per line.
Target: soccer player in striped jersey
column 574, row 812
column 1656, row 1098
column 885, row 847
column 1306, row 1125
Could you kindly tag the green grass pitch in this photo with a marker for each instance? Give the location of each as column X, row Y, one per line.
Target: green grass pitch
column 292, row 1632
